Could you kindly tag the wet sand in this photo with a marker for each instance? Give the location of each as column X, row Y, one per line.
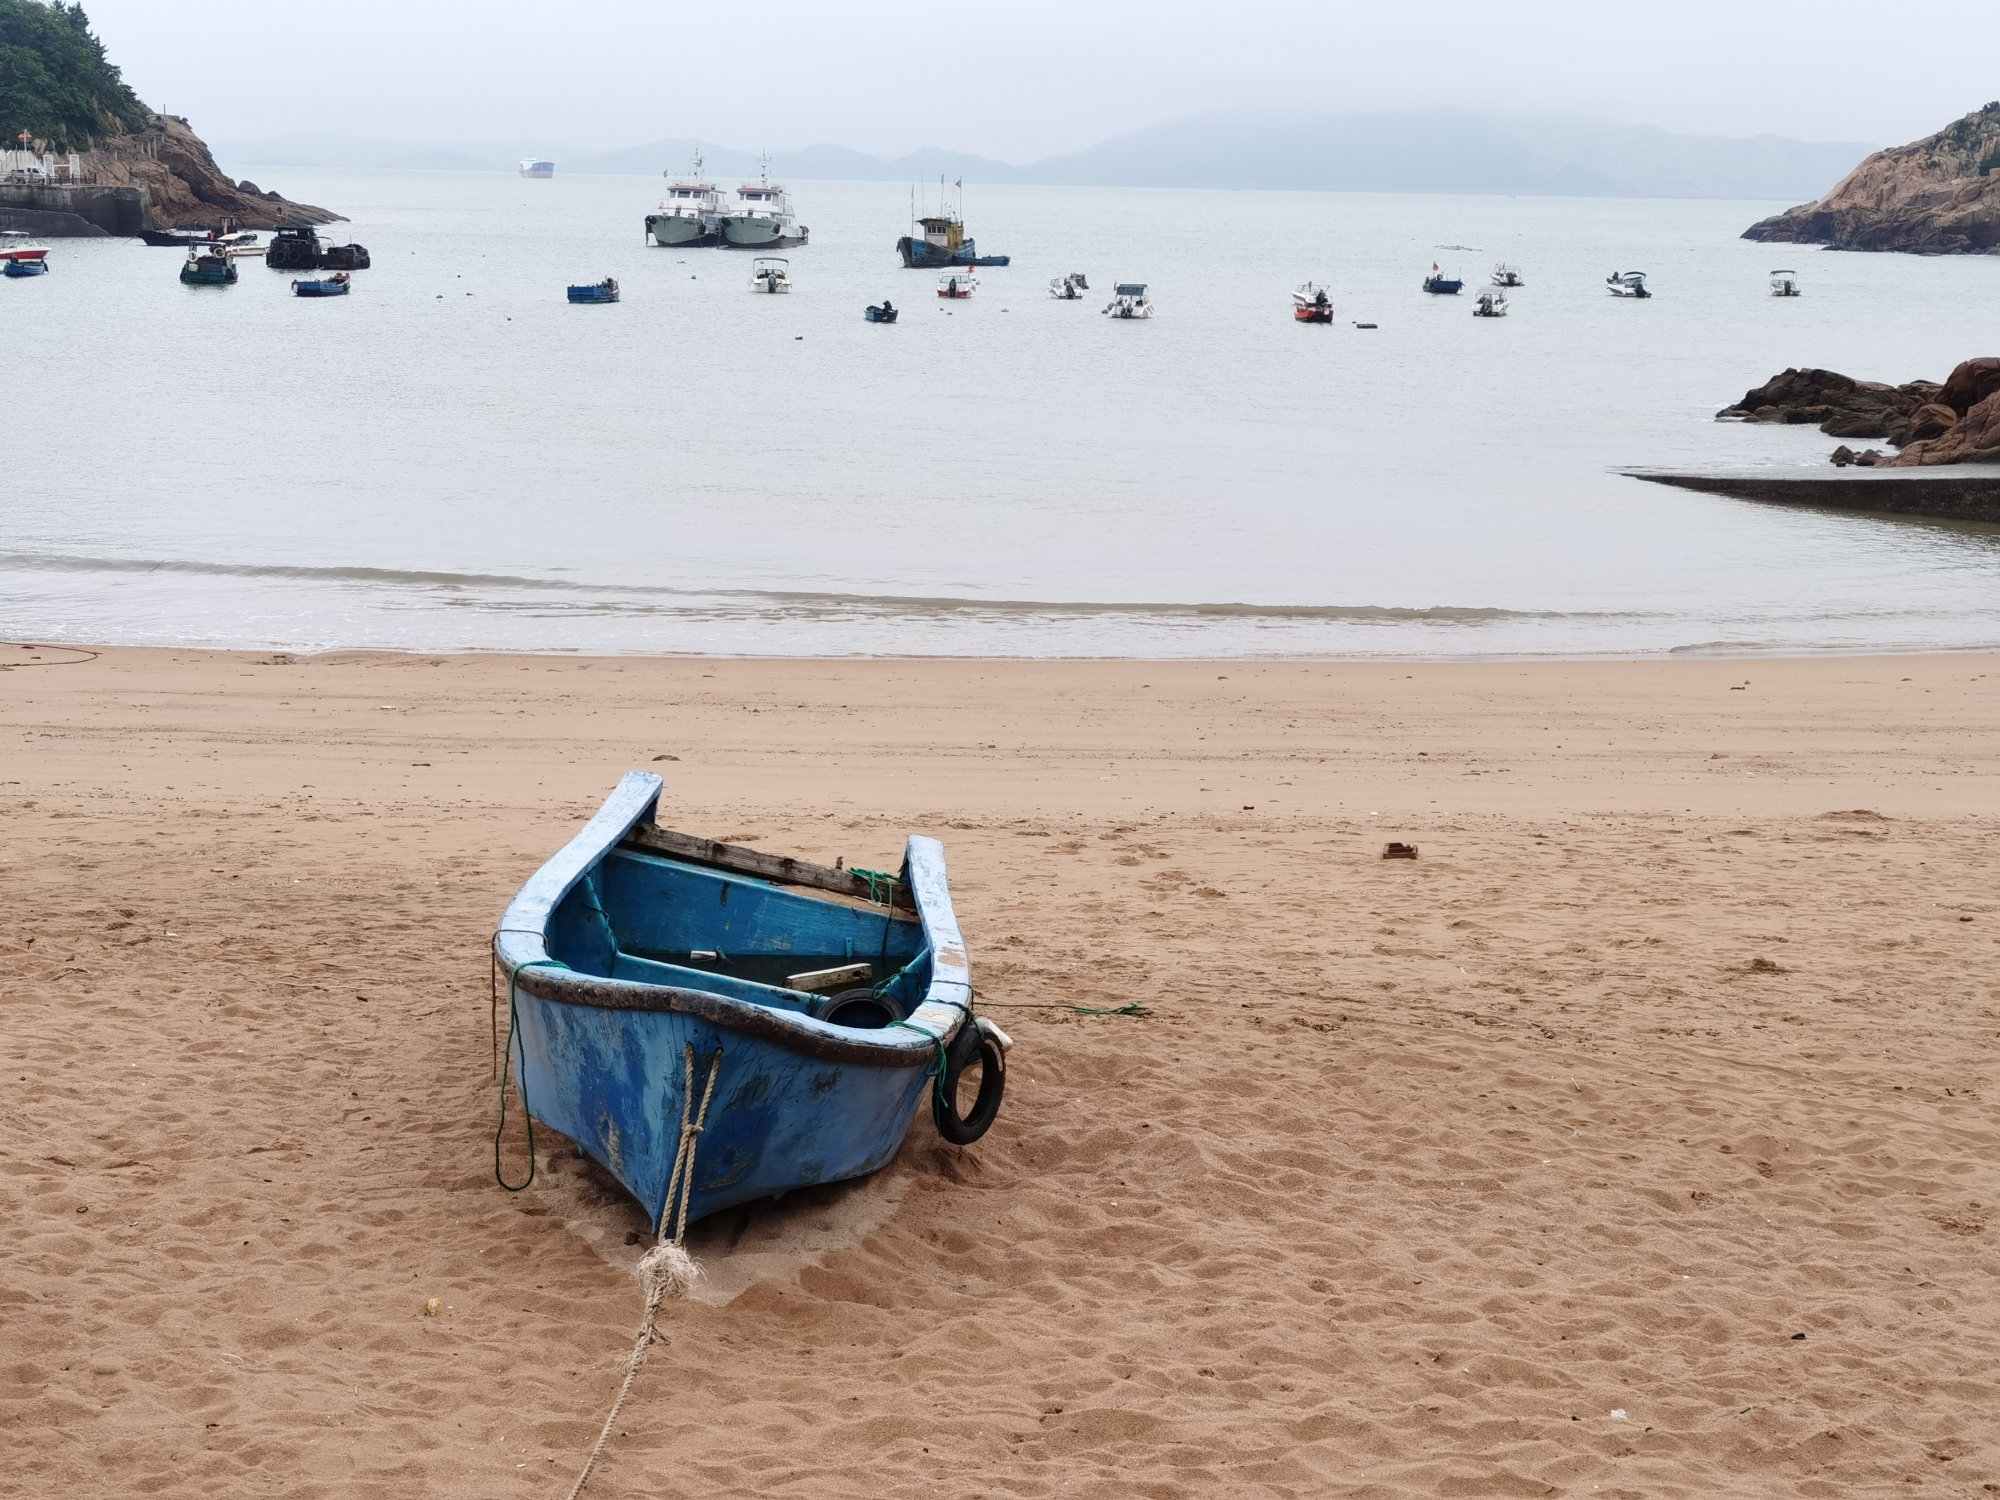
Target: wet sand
column 1513, row 1170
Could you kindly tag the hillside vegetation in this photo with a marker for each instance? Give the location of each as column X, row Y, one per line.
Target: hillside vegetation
column 55, row 82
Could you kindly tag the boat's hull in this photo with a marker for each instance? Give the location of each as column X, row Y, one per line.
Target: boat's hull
column 1313, row 314
column 877, row 315
column 759, row 233
column 319, row 288
column 1438, row 286
column 27, row 268
column 591, row 294
column 681, row 232
column 922, row 255
column 208, row 278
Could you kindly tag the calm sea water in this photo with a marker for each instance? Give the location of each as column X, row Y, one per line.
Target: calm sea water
column 453, row 457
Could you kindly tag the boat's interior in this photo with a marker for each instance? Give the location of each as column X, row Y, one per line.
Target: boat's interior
column 652, row 919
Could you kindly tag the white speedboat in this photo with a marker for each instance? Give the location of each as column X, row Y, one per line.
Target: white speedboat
column 1069, row 288
column 957, row 285
column 19, row 245
column 1490, row 305
column 761, row 217
column 1506, row 275
column 1310, row 303
column 1128, row 300
column 770, row 273
column 535, row 166
column 1627, row 284
column 690, row 215
column 1784, row 283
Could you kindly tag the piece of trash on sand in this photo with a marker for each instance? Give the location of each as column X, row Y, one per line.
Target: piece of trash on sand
column 433, row 1307
column 1399, row 851
column 1618, row 1414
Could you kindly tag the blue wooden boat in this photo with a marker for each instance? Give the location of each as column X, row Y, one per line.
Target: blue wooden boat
column 331, row 286
column 883, row 314
column 838, row 1001
column 603, row 291
column 27, row 268
column 1439, row 284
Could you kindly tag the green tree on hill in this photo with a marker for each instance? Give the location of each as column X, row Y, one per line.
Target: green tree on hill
column 55, row 82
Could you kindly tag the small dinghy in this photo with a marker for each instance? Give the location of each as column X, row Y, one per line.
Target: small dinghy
column 1069, row 288
column 770, row 273
column 883, row 314
column 1490, row 305
column 1310, row 304
column 208, row 270
column 36, row 267
column 599, row 291
column 330, row 286
column 1784, row 283
column 815, row 1009
column 957, row 288
column 1507, row 275
column 1441, row 285
column 1627, row 284
column 1129, row 300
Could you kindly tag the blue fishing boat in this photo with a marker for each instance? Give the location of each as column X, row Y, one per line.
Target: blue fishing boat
column 1439, row 284
column 27, row 268
column 810, row 1010
column 940, row 241
column 336, row 285
column 883, row 314
column 602, row 291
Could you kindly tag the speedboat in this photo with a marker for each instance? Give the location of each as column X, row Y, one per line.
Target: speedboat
column 957, row 287
column 1627, row 284
column 690, row 215
column 761, row 218
column 1069, row 288
column 1128, row 300
column 17, row 248
column 1310, row 303
column 207, row 270
column 1506, row 275
column 1442, row 285
column 1784, row 283
column 336, row 285
column 770, row 273
column 814, row 1010
column 1490, row 305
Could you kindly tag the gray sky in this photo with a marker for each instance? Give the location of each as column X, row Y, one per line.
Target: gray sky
column 1030, row 78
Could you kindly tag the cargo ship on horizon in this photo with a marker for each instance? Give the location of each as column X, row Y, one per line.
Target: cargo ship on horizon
column 535, row 166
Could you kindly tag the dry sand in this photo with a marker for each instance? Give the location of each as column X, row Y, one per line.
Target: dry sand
column 1517, row 1170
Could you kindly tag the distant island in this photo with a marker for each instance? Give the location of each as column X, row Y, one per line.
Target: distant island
column 1937, row 196
column 134, row 169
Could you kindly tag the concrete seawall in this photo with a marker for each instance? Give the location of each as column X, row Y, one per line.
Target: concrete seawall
column 64, row 212
column 1961, row 492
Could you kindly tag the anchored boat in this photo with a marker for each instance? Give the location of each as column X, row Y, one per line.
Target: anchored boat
column 1310, row 303
column 770, row 273
column 690, row 216
column 336, row 285
column 1490, row 305
column 1507, row 275
column 1069, row 288
column 1784, row 283
column 940, row 239
column 600, row 291
column 827, row 1002
column 957, row 288
column 212, row 269
column 16, row 248
column 762, row 218
column 1128, row 300
column 883, row 314
column 1627, row 284
column 1442, row 285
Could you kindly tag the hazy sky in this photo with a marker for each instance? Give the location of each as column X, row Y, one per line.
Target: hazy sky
column 1030, row 78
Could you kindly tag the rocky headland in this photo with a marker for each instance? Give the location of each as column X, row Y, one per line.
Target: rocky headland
column 1955, row 421
column 184, row 187
column 1937, row 196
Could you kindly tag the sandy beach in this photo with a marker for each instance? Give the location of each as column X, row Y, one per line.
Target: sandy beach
column 1638, row 1139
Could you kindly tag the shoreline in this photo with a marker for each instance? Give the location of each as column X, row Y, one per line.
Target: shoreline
column 1674, row 1043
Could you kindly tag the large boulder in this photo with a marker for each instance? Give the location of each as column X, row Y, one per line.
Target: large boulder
column 1971, row 383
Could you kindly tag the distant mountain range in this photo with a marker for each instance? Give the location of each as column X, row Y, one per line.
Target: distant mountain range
column 1402, row 151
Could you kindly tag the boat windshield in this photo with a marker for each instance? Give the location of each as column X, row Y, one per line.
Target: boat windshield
column 1131, row 289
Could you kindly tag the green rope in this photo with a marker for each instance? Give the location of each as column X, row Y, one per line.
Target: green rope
column 937, row 1072
column 506, row 1068
column 881, row 884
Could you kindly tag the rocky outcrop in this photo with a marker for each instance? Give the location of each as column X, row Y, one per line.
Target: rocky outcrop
column 1937, row 196
column 184, row 188
column 1957, row 422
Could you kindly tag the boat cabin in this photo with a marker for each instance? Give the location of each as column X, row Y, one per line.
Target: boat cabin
column 944, row 234
column 1130, row 289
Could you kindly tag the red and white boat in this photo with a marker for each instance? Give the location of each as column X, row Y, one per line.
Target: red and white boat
column 15, row 245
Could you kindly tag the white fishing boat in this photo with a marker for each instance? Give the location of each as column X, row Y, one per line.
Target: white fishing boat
column 535, row 166
column 1784, row 283
column 957, row 285
column 1490, row 305
column 770, row 273
column 690, row 215
column 1311, row 304
column 1627, row 284
column 1069, row 288
column 1128, row 300
column 1507, row 275
column 761, row 217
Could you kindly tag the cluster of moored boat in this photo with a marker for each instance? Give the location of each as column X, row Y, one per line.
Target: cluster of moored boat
column 212, row 256
column 694, row 215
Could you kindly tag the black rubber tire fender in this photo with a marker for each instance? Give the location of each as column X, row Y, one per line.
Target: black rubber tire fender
column 973, row 1043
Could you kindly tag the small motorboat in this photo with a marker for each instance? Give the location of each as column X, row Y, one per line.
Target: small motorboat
column 25, row 268
column 598, row 291
column 336, row 285
column 1069, row 288
column 883, row 314
column 957, row 287
column 17, row 248
column 1128, row 300
column 1442, row 285
column 814, row 1009
column 1507, row 275
column 1310, row 303
column 207, row 268
column 1627, row 284
column 770, row 273
column 1784, row 283
column 1490, row 305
